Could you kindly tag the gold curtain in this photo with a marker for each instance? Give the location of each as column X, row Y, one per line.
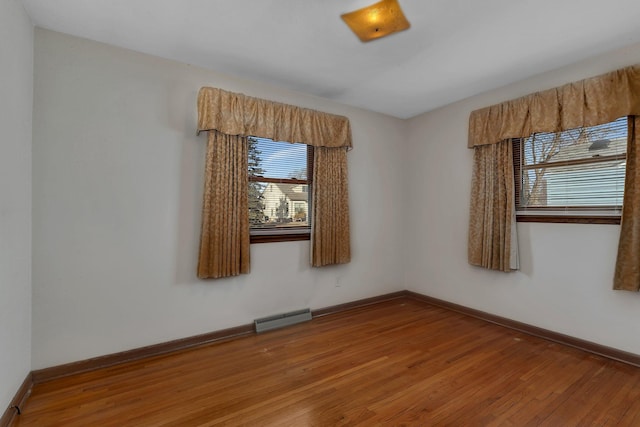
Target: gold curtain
column 230, row 118
column 588, row 102
column 238, row 114
column 492, row 237
column 627, row 272
column 224, row 241
column 330, row 241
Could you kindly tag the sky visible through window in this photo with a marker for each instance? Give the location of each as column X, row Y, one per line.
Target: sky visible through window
column 281, row 159
column 534, row 153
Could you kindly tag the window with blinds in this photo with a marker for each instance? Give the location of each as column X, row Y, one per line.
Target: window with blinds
column 279, row 190
column 578, row 172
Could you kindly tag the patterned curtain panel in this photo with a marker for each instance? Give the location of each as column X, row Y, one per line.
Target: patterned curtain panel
column 492, row 222
column 224, row 241
column 627, row 273
column 330, row 238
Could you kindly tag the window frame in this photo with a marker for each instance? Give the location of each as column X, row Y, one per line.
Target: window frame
column 282, row 235
column 573, row 214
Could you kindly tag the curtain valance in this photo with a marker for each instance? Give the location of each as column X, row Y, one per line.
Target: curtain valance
column 238, row 114
column 588, row 102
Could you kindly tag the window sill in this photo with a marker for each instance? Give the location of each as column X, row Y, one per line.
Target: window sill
column 570, row 219
column 273, row 238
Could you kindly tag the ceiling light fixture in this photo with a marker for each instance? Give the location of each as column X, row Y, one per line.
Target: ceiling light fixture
column 378, row 20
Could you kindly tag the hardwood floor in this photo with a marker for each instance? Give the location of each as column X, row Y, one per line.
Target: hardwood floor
column 400, row 362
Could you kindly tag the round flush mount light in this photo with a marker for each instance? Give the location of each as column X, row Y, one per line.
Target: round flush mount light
column 378, row 20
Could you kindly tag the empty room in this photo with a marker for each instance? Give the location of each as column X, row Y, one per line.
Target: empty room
column 290, row 213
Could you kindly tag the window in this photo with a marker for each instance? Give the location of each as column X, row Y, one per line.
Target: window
column 279, row 198
column 572, row 176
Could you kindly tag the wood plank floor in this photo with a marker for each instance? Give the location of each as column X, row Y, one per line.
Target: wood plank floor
column 400, row 362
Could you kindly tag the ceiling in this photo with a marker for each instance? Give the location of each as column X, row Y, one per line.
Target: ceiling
column 454, row 48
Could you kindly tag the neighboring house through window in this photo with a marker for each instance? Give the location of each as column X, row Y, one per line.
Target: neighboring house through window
column 279, row 197
column 577, row 174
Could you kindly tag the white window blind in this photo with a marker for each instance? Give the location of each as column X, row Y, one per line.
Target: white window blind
column 579, row 171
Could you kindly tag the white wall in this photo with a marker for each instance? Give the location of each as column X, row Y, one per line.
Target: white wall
column 117, row 182
column 16, row 97
column 567, row 270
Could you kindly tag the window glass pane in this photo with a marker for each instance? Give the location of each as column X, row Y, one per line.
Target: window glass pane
column 593, row 185
column 578, row 168
column 277, row 159
column 285, row 206
column 581, row 143
column 278, row 187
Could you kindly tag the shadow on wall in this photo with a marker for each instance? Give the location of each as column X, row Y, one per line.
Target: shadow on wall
column 192, row 158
